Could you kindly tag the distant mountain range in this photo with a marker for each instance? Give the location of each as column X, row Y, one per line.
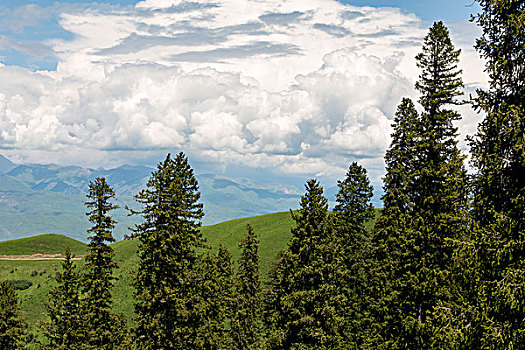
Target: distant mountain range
column 37, row 198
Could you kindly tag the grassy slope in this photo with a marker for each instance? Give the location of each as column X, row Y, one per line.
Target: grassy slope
column 43, row 244
column 273, row 231
column 34, row 297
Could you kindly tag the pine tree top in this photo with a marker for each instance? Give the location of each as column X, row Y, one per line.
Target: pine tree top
column 313, row 205
column 353, row 198
column 440, row 80
column 172, row 196
column 99, row 196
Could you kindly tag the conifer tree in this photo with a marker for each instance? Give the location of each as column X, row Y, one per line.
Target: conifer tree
column 400, row 160
column 352, row 211
column 498, row 156
column 305, row 307
column 225, row 297
column 12, row 326
column 246, row 320
column 353, row 199
column 388, row 252
column 216, row 306
column 438, row 184
column 414, row 233
column 103, row 328
column 65, row 329
column 167, row 280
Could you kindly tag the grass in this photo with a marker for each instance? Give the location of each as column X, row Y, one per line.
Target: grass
column 43, row 244
column 40, row 272
column 33, row 299
column 273, row 231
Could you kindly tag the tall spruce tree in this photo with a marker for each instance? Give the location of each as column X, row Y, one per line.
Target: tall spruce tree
column 65, row 329
column 305, row 307
column 425, row 203
column 438, row 185
column 103, row 328
column 13, row 327
column 167, row 280
column 388, row 252
column 352, row 211
column 400, row 160
column 246, row 321
column 498, row 156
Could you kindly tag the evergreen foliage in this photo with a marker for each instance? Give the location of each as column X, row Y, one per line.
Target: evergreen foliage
column 12, row 326
column 225, row 299
column 388, row 253
column 167, row 280
column 438, row 188
column 498, row 156
column 104, row 330
column 400, row 161
column 352, row 210
column 353, row 199
column 65, row 329
column 246, row 320
column 216, row 301
column 425, row 205
column 431, row 275
column 438, row 182
column 305, row 306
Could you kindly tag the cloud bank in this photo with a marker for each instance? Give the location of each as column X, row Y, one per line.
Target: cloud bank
column 299, row 87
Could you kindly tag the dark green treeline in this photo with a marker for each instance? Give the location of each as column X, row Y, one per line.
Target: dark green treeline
column 443, row 267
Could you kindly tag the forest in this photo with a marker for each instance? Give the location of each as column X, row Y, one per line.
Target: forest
column 443, row 267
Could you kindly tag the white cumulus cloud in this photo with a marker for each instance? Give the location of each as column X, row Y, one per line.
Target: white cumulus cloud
column 295, row 86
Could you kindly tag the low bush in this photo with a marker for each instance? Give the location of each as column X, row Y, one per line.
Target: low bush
column 21, row 284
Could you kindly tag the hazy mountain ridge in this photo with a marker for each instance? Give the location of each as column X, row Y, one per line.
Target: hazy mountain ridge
column 126, row 180
column 5, row 164
column 49, row 198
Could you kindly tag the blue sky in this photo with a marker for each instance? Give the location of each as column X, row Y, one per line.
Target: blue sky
column 24, row 24
column 428, row 10
column 22, row 29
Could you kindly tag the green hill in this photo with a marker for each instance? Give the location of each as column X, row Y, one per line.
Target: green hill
column 273, row 231
column 42, row 244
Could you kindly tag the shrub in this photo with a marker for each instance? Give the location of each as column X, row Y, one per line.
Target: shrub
column 21, row 284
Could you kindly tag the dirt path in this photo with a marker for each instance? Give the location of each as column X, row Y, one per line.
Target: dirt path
column 38, row 257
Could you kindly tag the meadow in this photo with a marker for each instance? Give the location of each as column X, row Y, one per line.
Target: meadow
column 273, row 230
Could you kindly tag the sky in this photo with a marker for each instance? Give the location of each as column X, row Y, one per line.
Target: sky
column 274, row 90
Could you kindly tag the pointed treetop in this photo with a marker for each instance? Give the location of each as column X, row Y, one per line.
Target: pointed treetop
column 99, row 205
column 440, row 80
column 313, row 205
column 355, row 192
